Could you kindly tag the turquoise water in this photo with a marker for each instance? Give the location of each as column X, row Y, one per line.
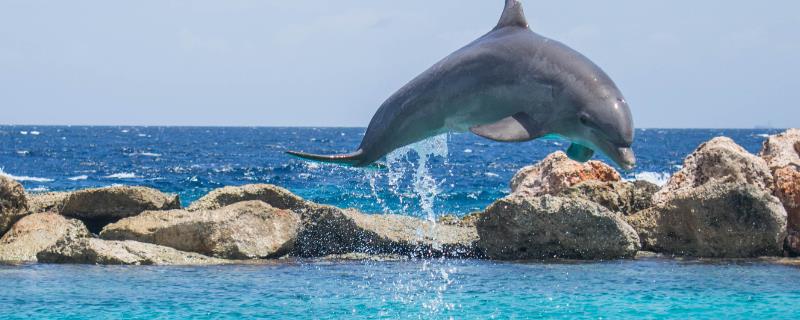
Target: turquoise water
column 657, row 289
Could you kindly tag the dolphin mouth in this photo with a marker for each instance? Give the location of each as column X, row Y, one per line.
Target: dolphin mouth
column 624, row 157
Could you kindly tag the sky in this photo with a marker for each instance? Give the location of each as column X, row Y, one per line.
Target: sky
column 680, row 63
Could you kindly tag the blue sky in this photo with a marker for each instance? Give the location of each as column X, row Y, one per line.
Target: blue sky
column 331, row 63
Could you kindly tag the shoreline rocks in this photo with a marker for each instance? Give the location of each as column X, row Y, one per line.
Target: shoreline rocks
column 782, row 154
column 35, row 233
column 723, row 203
column 714, row 221
column 547, row 227
column 97, row 251
column 13, row 203
column 557, row 172
column 244, row 230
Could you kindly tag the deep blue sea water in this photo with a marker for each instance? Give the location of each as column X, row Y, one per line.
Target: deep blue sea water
column 456, row 174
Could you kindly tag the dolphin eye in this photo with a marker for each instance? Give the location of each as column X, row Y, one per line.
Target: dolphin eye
column 584, row 119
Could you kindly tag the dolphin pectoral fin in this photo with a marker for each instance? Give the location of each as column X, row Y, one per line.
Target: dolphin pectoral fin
column 579, row 152
column 516, row 128
column 354, row 159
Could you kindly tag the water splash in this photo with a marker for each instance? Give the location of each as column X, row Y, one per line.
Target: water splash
column 424, row 186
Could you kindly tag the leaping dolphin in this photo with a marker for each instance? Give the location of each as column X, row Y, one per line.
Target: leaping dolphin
column 509, row 85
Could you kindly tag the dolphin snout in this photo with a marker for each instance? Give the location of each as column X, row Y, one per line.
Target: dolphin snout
column 625, row 158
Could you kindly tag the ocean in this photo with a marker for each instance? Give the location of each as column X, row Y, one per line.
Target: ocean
column 452, row 174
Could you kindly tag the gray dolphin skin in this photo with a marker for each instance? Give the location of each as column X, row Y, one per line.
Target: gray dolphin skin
column 510, row 85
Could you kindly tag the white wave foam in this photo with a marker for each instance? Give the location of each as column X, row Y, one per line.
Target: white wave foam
column 491, row 175
column 39, row 189
column 762, row 135
column 78, row 178
column 24, row 133
column 35, row 133
column 467, row 150
column 145, row 154
column 658, row 178
column 23, row 152
column 24, row 178
column 122, row 175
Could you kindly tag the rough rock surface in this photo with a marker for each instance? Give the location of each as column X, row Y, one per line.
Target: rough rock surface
column 621, row 196
column 782, row 154
column 244, row 230
column 714, row 221
column 330, row 230
column 719, row 160
column 98, row 207
column 275, row 196
column 97, row 251
column 13, row 203
column 557, row 172
column 36, row 232
column 521, row 228
column 47, row 202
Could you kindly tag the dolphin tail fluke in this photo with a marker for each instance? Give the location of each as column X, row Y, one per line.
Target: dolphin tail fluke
column 355, row 159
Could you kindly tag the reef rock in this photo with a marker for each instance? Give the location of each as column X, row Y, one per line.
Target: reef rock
column 557, row 172
column 782, row 154
column 329, row 230
column 13, row 203
column 714, row 221
column 275, row 196
column 547, row 227
column 621, row 196
column 97, row 251
column 99, row 207
column 717, row 161
column 244, row 230
column 47, row 202
column 36, row 232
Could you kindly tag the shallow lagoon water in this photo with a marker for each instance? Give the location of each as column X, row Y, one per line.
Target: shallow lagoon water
column 463, row 174
column 410, row 289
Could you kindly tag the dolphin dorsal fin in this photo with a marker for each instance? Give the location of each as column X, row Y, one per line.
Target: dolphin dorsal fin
column 513, row 15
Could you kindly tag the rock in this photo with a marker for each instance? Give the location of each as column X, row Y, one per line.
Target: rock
column 99, row 207
column 782, row 150
column 557, row 172
column 521, row 228
column 275, row 196
column 782, row 154
column 97, row 251
column 620, row 196
column 13, row 203
column 330, row 230
column 36, row 232
column 244, row 230
column 47, row 202
column 717, row 161
column 714, row 221
column 465, row 221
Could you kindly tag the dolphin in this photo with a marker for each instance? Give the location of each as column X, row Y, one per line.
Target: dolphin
column 510, row 85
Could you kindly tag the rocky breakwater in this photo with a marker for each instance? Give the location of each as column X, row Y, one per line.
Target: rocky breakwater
column 718, row 205
column 554, row 212
column 782, row 154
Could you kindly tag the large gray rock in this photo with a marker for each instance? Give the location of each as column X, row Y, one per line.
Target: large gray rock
column 99, row 207
column 521, row 228
column 36, row 232
column 622, row 196
column 329, row 230
column 97, row 251
column 714, row 220
column 244, row 230
column 717, row 161
column 782, row 154
column 557, row 172
column 13, row 204
column 276, row 196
